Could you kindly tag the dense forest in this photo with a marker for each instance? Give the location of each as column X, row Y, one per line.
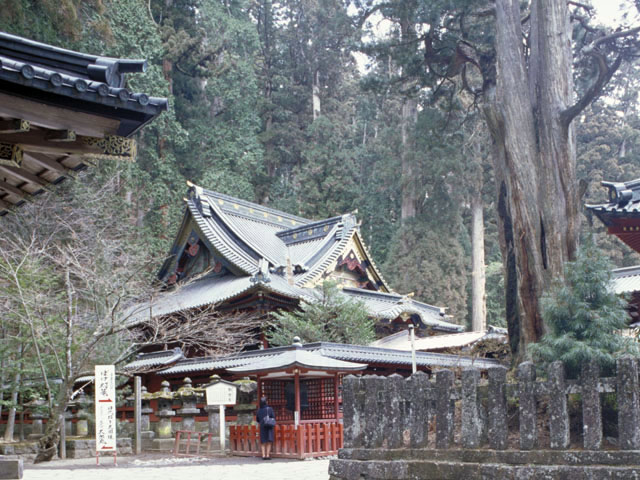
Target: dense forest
column 321, row 107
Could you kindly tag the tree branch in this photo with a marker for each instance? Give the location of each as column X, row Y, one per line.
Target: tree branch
column 605, row 72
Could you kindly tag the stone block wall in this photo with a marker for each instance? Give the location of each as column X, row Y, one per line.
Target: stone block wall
column 406, row 426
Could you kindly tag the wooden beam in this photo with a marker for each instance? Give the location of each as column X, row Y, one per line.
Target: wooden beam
column 14, row 125
column 15, row 191
column 9, row 207
column 50, row 164
column 56, row 118
column 10, row 154
column 22, row 174
column 111, row 147
column 61, row 136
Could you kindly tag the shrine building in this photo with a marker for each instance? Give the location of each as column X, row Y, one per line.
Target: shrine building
column 621, row 216
column 60, row 112
column 241, row 256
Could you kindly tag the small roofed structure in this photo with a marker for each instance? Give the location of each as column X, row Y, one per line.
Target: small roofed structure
column 303, row 389
column 60, row 111
column 621, row 216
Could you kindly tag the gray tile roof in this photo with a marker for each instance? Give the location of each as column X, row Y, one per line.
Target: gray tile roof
column 338, row 351
column 391, row 305
column 299, row 357
column 75, row 75
column 624, row 198
column 626, row 280
column 210, row 291
column 145, row 361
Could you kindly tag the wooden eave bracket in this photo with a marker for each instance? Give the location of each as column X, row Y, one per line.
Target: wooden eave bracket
column 14, row 126
column 11, row 155
column 112, row 147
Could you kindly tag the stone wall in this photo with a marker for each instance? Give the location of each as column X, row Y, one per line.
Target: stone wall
column 458, row 425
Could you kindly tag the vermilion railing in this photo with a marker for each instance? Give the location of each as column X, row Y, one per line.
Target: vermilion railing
column 194, row 444
column 310, row 439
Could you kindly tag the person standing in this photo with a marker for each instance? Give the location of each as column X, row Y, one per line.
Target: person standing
column 267, row 426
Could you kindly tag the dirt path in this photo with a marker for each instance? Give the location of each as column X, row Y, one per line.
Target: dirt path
column 155, row 467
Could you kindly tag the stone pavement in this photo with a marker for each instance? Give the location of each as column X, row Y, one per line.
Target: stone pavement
column 157, row 467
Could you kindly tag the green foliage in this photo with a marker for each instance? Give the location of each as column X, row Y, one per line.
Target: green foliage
column 332, row 318
column 584, row 317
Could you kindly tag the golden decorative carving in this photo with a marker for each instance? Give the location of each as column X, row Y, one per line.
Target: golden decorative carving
column 113, row 148
column 10, row 155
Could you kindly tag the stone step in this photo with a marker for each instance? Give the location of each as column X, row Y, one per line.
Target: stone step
column 340, row 469
column 11, row 468
column 509, row 457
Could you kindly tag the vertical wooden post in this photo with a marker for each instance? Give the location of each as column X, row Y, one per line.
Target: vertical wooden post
column 259, row 389
column 223, row 431
column 297, row 414
column 336, row 381
column 137, row 413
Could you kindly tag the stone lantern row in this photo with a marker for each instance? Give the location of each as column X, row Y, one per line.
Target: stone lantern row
column 160, row 437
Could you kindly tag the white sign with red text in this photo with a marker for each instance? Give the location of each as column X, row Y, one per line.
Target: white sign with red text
column 105, row 408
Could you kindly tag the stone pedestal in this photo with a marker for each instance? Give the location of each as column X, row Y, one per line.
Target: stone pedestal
column 188, row 412
column 146, row 434
column 82, row 416
column 36, row 416
column 68, row 421
column 214, row 419
column 164, row 435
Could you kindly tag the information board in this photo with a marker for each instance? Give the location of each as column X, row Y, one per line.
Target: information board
column 221, row 394
column 105, row 383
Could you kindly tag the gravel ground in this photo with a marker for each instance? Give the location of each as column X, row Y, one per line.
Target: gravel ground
column 157, row 467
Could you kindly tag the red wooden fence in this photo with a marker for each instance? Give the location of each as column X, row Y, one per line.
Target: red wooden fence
column 310, row 439
column 189, row 444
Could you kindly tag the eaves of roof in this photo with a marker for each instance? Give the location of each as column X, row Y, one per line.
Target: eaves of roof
column 338, row 351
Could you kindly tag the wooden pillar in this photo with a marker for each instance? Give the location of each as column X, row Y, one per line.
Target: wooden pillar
column 336, row 381
column 259, row 390
column 298, row 414
column 137, row 414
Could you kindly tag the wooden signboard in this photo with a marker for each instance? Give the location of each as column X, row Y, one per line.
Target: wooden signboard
column 105, row 383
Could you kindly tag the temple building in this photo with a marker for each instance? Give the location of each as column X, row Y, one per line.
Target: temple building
column 60, row 111
column 241, row 256
column 621, row 216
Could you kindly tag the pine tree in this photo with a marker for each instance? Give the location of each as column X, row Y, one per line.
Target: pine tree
column 584, row 316
column 332, row 318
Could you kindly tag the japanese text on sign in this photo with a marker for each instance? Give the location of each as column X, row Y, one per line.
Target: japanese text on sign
column 105, row 384
column 221, row 394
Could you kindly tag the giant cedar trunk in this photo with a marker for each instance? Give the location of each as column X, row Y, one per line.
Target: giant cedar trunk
column 535, row 149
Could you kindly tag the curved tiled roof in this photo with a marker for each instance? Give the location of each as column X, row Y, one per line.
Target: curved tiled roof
column 338, row 351
column 247, row 234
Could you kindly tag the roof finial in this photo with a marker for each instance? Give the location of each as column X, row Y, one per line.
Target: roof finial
column 297, row 342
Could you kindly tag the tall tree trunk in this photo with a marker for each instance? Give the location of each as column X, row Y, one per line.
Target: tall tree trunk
column 536, row 149
column 479, row 308
column 315, row 96
column 17, row 378
column 409, row 200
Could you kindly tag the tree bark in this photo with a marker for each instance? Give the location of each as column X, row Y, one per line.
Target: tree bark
column 409, row 200
column 11, row 420
column 536, row 150
column 479, row 309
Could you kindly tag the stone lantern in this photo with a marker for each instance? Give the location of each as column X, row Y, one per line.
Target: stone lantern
column 188, row 412
column 37, row 416
column 165, row 413
column 82, row 415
